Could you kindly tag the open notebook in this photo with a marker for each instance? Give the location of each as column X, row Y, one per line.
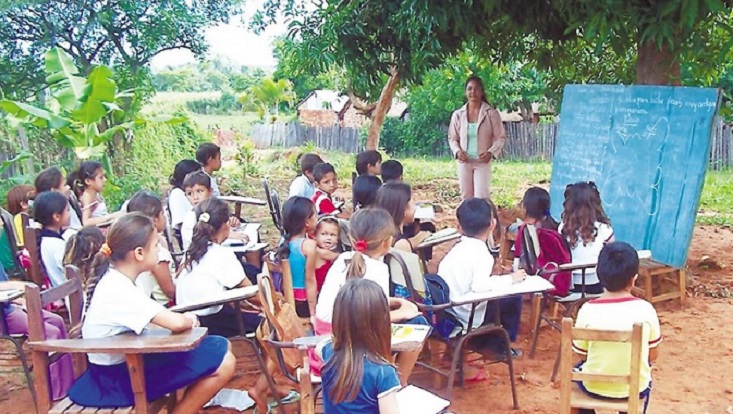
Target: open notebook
column 252, row 232
column 409, row 333
column 415, row 400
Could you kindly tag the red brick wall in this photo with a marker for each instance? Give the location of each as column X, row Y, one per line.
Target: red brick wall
column 323, row 117
column 353, row 119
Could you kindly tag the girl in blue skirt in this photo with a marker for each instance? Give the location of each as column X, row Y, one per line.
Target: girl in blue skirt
column 115, row 305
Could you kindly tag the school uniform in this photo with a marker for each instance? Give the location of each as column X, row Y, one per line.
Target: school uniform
column 611, row 358
column 189, row 222
column 302, row 187
column 467, row 268
column 51, row 247
column 378, row 380
column 588, row 253
column 149, row 284
column 178, row 206
column 118, row 306
column 218, row 271
column 74, row 218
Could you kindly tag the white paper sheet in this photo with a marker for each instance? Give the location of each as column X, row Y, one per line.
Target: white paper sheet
column 415, row 400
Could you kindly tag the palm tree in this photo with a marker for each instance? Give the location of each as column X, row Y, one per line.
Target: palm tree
column 267, row 96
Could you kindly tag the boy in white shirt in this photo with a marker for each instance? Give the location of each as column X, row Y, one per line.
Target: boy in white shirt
column 209, row 156
column 467, row 268
column 304, row 185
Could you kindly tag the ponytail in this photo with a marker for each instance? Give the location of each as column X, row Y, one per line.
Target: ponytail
column 211, row 215
column 356, row 266
column 101, row 266
column 368, row 229
column 283, row 251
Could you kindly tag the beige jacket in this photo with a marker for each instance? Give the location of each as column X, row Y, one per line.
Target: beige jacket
column 491, row 135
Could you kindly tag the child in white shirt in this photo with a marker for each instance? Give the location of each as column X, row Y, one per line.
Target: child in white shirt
column 304, row 184
column 115, row 305
column 467, row 268
column 178, row 204
column 51, row 210
column 587, row 229
column 209, row 156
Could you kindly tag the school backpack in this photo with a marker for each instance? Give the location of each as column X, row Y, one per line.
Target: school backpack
column 541, row 250
column 438, row 293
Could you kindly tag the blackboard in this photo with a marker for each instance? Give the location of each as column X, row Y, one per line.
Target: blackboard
column 646, row 148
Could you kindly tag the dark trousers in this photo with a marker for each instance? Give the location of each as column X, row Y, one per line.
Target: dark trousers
column 224, row 323
column 509, row 311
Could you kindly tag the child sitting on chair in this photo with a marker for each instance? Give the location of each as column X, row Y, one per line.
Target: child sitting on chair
column 365, row 190
column 369, row 163
column 19, row 202
column 209, row 156
column 52, row 179
column 616, row 309
column 587, row 229
column 327, row 184
column 178, row 204
column 91, row 178
column 392, row 171
column 467, row 268
column 304, row 184
column 327, row 236
column 51, row 210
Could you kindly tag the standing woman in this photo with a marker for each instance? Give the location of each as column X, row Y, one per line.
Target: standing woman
column 476, row 135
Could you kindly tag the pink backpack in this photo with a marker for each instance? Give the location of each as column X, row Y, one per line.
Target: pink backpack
column 541, row 251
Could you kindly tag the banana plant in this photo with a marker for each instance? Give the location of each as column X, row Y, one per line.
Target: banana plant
column 81, row 104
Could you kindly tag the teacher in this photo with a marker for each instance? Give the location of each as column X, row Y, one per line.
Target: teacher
column 476, row 136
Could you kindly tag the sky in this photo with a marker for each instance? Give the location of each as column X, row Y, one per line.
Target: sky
column 233, row 42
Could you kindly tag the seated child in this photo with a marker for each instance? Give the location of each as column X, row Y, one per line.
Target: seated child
column 371, row 231
column 91, row 178
column 52, row 179
column 617, row 309
column 327, row 184
column 467, row 268
column 81, row 248
column 209, row 268
column 114, row 305
column 587, row 229
column 365, row 190
column 19, row 202
column 299, row 219
column 178, row 204
column 61, row 371
column 327, row 238
column 157, row 283
column 391, row 171
column 51, row 210
column 369, row 163
column 365, row 381
column 209, row 156
column 396, row 198
column 536, row 207
column 304, row 184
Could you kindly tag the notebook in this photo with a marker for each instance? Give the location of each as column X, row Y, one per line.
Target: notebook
column 415, row 400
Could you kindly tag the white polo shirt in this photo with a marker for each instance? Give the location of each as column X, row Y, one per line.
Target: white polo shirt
column 117, row 306
column 52, row 255
column 216, row 272
column 178, row 205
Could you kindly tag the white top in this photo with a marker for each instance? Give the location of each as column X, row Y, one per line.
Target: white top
column 217, row 271
column 52, row 255
column 147, row 282
column 178, row 206
column 189, row 222
column 376, row 270
column 303, row 187
column 74, row 219
column 467, row 268
column 214, row 186
column 117, row 306
column 588, row 253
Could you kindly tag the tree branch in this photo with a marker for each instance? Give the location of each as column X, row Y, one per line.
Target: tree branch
column 358, row 104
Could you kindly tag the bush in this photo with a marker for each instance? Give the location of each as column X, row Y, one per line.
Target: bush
column 225, row 105
column 412, row 138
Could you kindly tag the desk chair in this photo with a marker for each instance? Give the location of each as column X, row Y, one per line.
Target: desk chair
column 571, row 396
column 273, row 201
column 36, row 271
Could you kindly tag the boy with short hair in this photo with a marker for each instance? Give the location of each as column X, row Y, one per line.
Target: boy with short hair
column 467, row 268
column 369, row 162
column 326, row 184
column 209, row 156
column 304, row 184
column 392, row 171
column 197, row 187
column 364, row 190
column 617, row 309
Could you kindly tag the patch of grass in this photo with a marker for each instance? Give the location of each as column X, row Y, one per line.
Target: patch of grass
column 240, row 122
column 717, row 199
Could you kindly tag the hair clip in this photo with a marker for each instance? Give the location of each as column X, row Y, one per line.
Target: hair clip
column 204, row 217
column 360, row 246
column 105, row 250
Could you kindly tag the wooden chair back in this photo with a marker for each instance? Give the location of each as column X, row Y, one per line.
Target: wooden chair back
column 282, row 325
column 36, row 271
column 273, row 201
column 405, row 270
column 36, row 301
column 571, row 396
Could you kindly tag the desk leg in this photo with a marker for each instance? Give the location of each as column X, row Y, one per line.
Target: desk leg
column 137, row 378
column 238, row 210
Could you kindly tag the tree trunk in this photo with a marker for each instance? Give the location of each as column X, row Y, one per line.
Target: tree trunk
column 656, row 66
column 383, row 105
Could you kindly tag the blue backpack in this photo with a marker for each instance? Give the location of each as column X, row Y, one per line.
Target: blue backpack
column 438, row 293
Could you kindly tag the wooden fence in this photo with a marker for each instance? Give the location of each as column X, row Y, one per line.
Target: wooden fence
column 293, row 134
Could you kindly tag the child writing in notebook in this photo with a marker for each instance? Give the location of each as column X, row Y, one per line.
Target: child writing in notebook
column 114, row 305
column 81, row 249
column 51, row 210
column 327, row 238
column 467, row 268
column 91, row 178
column 359, row 376
column 52, row 179
column 178, row 204
column 299, row 220
column 19, row 202
column 587, row 229
column 210, row 269
column 157, row 283
column 371, row 231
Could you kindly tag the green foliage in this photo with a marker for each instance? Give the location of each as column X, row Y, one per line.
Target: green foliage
column 85, row 107
column 245, row 157
column 208, row 75
column 225, row 105
column 265, row 97
column 304, row 76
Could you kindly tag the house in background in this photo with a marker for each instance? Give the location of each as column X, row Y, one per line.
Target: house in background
column 325, row 107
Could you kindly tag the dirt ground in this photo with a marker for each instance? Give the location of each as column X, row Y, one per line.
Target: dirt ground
column 692, row 374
